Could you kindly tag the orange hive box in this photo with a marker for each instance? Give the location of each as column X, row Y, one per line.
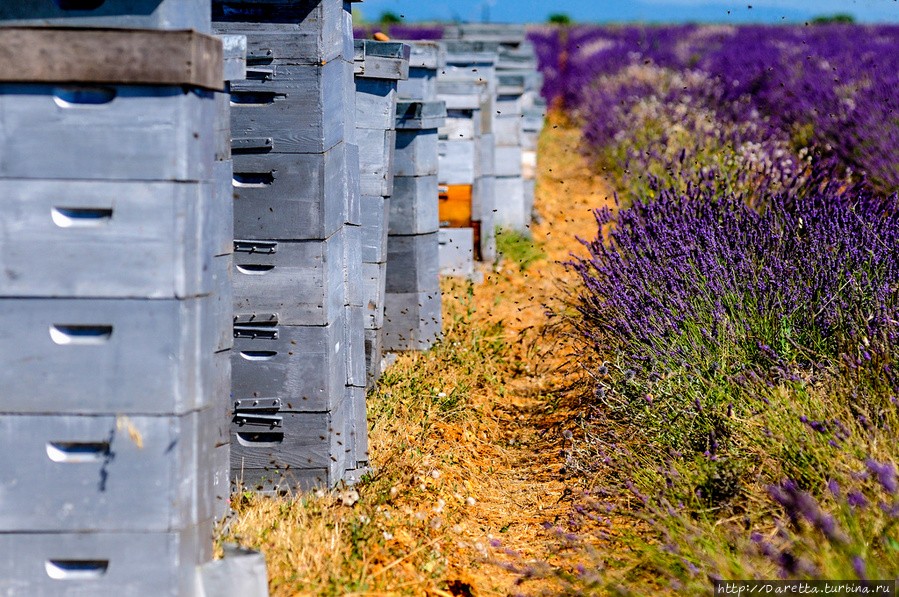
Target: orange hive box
column 455, row 206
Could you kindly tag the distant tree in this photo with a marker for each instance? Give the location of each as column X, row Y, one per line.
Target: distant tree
column 388, row 17
column 559, row 18
column 837, row 18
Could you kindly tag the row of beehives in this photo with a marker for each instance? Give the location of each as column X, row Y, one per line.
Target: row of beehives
column 424, row 117
column 121, row 403
column 115, row 316
column 487, row 75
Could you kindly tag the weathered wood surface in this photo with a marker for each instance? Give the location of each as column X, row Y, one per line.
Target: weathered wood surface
column 64, row 55
column 301, row 281
column 84, row 473
column 304, row 366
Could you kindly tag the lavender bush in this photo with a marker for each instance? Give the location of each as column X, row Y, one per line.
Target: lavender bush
column 736, row 318
column 827, row 89
column 742, row 389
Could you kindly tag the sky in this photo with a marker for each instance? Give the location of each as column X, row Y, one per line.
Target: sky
column 604, row 11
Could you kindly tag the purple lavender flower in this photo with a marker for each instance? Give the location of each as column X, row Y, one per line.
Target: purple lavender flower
column 885, row 473
column 857, row 499
column 799, row 504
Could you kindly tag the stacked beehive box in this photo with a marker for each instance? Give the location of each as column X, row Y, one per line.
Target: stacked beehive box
column 467, row 85
column 294, row 254
column 378, row 66
column 511, row 209
column 517, row 117
column 517, row 66
column 426, row 58
column 111, row 344
column 413, row 318
column 234, row 49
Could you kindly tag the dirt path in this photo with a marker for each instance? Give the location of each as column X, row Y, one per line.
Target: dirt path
column 535, row 488
column 465, row 438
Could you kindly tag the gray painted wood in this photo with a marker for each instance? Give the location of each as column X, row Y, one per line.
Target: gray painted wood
column 353, row 182
column 222, row 140
column 412, row 321
column 485, row 191
column 349, row 104
column 128, row 14
column 355, row 349
column 305, row 366
column 297, row 108
column 374, row 228
column 62, row 238
column 375, row 103
column 373, row 288
column 158, row 564
column 357, row 425
column 376, row 155
column 414, row 206
column 421, row 84
column 508, row 105
column 234, row 56
column 520, row 56
column 508, row 160
column 221, row 480
column 529, row 140
column 289, row 196
column 412, row 263
column 456, row 162
column 485, row 164
column 510, row 208
column 529, row 164
column 456, row 252
column 381, row 59
column 482, row 54
column 511, row 85
column 106, row 356
column 218, row 220
column 317, row 440
column 467, row 101
column 505, row 33
column 415, row 153
column 426, row 54
column 221, row 406
column 507, row 129
column 373, row 353
column 461, row 125
column 217, row 328
column 304, row 32
column 419, row 114
column 90, row 474
column 221, row 451
column 353, row 277
column 348, row 51
column 124, row 132
column 533, row 119
column 301, row 281
column 270, row 481
column 529, row 189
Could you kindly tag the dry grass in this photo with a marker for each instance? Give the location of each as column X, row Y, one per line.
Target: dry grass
column 465, row 439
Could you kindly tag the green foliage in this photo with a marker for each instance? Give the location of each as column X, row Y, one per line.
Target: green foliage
column 559, row 18
column 388, row 17
column 517, row 247
column 836, row 18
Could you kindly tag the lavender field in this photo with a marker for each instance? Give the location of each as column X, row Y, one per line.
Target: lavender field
column 738, row 316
